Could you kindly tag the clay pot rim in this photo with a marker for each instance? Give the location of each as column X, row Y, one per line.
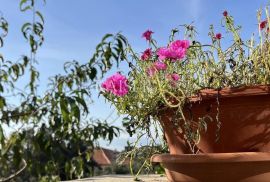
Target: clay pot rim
column 212, row 157
column 229, row 92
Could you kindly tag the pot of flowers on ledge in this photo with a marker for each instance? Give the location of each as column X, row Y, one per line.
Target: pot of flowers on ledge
column 212, row 102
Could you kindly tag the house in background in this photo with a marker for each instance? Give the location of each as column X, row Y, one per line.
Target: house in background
column 105, row 160
column 104, row 157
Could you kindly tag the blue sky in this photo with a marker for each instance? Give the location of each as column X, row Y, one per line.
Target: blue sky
column 74, row 27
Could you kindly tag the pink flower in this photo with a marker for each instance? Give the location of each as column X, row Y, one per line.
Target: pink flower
column 116, row 84
column 163, row 53
column 263, row 24
column 147, row 34
column 218, row 36
column 175, row 51
column 146, row 54
column 180, row 44
column 157, row 66
column 151, row 71
column 173, row 78
column 160, row 65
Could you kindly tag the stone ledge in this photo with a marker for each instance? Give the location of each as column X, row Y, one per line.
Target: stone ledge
column 123, row 178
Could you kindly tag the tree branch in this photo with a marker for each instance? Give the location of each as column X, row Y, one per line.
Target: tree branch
column 15, row 174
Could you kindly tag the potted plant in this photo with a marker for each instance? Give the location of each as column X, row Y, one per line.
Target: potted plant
column 213, row 104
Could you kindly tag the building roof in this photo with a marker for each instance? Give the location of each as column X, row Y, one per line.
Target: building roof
column 105, row 157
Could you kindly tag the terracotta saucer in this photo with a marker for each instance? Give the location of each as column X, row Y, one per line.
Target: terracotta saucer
column 216, row 167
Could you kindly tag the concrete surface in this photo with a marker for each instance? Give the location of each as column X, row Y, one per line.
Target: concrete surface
column 123, row 178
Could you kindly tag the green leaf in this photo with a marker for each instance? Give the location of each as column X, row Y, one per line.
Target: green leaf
column 10, row 142
column 1, row 58
column 2, row 102
column 1, row 42
column 25, row 28
column 93, row 73
column 1, row 88
column 106, row 36
column 88, row 156
column 60, row 86
column 40, row 16
column 32, row 43
column 83, row 103
column 64, row 109
column 2, row 137
column 26, row 8
column 22, row 8
column 75, row 111
column 68, row 169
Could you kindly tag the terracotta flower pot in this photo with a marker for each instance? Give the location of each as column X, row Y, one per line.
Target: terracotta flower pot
column 244, row 114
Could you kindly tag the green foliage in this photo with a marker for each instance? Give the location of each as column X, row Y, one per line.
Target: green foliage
column 139, row 158
column 54, row 134
column 121, row 169
column 112, row 47
column 50, row 152
column 114, row 169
